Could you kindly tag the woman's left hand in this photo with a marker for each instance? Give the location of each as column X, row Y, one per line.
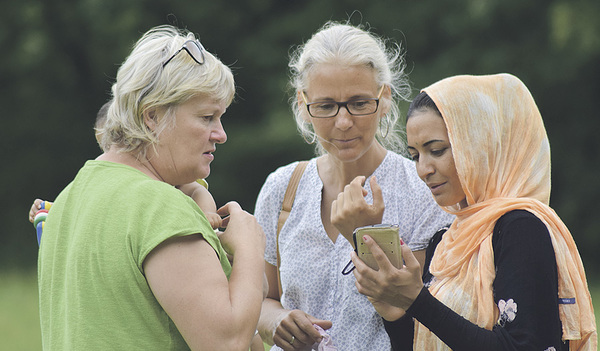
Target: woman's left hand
column 350, row 210
column 389, row 285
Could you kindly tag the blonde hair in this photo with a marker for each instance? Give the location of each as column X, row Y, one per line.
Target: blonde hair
column 347, row 45
column 144, row 85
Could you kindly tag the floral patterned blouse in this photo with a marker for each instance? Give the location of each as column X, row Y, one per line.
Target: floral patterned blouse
column 311, row 263
column 525, row 291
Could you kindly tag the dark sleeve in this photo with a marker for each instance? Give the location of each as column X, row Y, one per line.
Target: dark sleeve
column 526, row 273
column 401, row 333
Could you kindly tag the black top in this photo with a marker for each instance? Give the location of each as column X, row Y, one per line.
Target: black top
column 525, row 273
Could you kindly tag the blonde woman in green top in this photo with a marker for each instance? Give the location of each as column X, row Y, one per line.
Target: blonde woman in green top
column 127, row 261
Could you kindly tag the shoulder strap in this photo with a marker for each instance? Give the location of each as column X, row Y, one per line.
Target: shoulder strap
column 286, row 208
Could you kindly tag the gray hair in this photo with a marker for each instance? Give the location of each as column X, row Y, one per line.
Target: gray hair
column 344, row 44
column 143, row 85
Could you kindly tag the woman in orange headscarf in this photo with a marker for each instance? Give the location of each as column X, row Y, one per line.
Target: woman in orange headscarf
column 506, row 275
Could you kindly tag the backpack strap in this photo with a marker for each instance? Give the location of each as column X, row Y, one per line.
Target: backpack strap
column 286, row 208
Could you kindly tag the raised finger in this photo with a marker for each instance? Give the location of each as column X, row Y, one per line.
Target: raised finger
column 355, row 189
column 359, row 180
column 377, row 194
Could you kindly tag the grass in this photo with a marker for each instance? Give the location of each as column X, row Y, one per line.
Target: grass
column 19, row 317
column 20, row 322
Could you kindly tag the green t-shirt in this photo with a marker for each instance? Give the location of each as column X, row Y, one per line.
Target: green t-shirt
column 93, row 292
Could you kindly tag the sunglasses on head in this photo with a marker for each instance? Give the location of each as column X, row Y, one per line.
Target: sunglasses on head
column 193, row 48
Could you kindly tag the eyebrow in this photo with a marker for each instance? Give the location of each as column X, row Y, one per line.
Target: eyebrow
column 354, row 97
column 427, row 143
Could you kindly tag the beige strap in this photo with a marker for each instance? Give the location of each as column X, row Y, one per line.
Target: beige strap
column 286, row 208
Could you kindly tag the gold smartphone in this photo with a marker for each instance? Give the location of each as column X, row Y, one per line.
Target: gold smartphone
column 386, row 236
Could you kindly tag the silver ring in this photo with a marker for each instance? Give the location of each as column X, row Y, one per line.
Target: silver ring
column 292, row 341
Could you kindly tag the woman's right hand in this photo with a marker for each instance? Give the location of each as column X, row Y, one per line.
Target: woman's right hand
column 295, row 331
column 350, row 210
column 242, row 230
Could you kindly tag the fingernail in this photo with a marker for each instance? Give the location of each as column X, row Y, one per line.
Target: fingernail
column 365, row 238
column 401, row 241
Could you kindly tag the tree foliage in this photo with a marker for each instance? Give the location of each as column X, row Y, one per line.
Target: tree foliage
column 60, row 59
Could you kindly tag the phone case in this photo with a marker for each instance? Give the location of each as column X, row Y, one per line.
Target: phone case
column 388, row 239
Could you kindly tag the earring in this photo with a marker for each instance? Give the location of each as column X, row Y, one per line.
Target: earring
column 387, row 127
column 312, row 140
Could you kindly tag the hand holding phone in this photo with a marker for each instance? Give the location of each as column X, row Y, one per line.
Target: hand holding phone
column 387, row 238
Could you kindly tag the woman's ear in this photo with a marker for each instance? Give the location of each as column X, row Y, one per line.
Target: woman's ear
column 304, row 112
column 150, row 119
column 386, row 99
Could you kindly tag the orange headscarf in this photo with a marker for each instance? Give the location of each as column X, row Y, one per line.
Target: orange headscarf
column 502, row 157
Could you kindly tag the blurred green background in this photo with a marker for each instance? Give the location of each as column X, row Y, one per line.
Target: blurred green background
column 59, row 59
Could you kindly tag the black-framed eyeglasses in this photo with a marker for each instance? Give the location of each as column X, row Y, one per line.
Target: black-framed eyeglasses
column 355, row 107
column 193, row 48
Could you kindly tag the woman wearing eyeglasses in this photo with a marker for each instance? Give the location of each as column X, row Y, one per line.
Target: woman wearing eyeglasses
column 127, row 261
column 347, row 84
